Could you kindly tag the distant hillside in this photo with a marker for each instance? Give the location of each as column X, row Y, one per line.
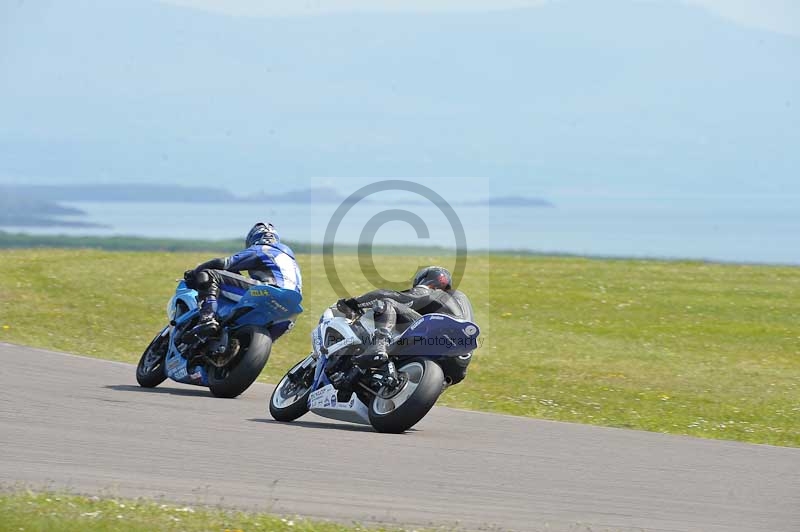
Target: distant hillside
column 19, row 204
column 103, row 192
column 307, row 195
column 512, row 201
column 23, row 211
column 44, row 195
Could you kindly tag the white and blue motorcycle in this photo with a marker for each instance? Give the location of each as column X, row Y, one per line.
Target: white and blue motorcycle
column 390, row 398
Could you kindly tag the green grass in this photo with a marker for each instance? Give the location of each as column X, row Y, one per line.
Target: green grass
column 692, row 348
column 48, row 512
column 135, row 243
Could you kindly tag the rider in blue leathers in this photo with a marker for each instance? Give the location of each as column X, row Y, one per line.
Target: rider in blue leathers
column 266, row 260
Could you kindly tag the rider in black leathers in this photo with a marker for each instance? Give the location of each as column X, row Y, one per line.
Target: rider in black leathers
column 431, row 292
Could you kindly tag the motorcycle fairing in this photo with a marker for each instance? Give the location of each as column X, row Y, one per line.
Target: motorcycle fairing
column 324, row 402
column 267, row 305
column 178, row 370
column 185, row 295
column 176, row 365
column 321, row 335
column 437, row 335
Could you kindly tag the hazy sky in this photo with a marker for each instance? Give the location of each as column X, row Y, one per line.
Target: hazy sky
column 776, row 15
column 588, row 97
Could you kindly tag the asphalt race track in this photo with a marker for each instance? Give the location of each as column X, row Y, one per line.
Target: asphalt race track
column 82, row 424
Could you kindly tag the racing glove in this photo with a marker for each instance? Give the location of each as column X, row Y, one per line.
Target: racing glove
column 190, row 276
column 348, row 307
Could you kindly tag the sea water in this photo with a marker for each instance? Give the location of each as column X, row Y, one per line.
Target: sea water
column 735, row 229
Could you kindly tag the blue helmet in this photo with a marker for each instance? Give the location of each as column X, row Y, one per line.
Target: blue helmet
column 262, row 233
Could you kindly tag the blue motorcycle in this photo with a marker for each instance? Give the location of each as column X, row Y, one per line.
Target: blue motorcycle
column 227, row 363
column 391, row 398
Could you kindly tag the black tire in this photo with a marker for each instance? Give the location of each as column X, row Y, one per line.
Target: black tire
column 232, row 380
column 416, row 405
column 279, row 409
column 151, row 371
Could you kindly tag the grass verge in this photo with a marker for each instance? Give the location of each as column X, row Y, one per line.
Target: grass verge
column 708, row 350
column 56, row 512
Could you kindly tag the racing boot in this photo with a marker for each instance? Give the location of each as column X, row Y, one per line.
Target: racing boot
column 208, row 325
column 378, row 356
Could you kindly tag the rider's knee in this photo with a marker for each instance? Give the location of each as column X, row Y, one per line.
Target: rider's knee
column 385, row 314
column 203, row 279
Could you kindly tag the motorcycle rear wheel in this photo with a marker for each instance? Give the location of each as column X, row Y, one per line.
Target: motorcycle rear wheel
column 150, row 372
column 242, row 371
column 398, row 410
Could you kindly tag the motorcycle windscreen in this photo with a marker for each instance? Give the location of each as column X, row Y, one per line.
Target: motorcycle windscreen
column 437, row 335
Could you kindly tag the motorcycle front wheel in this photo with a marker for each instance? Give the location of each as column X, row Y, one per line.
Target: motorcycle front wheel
column 233, row 379
column 289, row 399
column 397, row 409
column 150, row 372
